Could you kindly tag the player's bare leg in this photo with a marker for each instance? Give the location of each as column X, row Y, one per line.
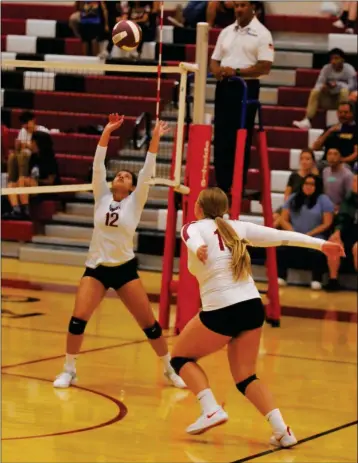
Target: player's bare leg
column 197, row 341
column 242, row 354
column 89, row 295
column 136, row 300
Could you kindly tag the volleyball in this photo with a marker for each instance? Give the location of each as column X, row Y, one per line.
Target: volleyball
column 127, row 35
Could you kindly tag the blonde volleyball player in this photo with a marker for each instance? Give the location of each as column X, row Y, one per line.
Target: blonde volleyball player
column 111, row 262
column 232, row 312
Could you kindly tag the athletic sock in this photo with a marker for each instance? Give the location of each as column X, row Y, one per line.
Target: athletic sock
column 207, row 401
column 275, row 419
column 166, row 360
column 70, row 362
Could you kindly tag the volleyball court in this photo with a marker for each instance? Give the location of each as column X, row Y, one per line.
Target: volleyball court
column 73, row 101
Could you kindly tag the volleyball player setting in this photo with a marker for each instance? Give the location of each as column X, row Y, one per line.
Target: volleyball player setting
column 127, row 35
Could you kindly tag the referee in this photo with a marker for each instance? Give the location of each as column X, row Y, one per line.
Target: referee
column 244, row 49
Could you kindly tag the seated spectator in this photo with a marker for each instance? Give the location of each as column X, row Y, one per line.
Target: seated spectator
column 348, row 18
column 28, row 127
column 93, row 26
column 220, row 14
column 43, row 165
column 335, row 81
column 145, row 15
column 337, row 178
column 193, row 13
column 35, row 167
column 346, row 233
column 342, row 136
column 307, row 166
column 308, row 211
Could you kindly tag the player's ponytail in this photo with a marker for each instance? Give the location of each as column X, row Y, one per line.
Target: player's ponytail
column 215, row 204
column 241, row 261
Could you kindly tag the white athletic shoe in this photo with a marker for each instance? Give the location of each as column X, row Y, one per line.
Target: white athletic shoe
column 316, row 285
column 304, row 124
column 175, row 379
column 339, row 24
column 208, row 421
column 287, row 439
column 65, row 379
column 281, row 282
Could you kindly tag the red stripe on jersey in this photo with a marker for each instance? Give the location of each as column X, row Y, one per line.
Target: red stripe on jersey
column 185, row 231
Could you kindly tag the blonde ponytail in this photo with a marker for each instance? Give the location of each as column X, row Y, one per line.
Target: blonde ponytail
column 241, row 261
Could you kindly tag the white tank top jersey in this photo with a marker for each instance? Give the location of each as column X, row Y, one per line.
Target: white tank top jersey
column 115, row 222
column 217, row 286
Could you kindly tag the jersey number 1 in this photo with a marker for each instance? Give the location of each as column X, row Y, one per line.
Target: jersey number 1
column 221, row 242
column 112, row 219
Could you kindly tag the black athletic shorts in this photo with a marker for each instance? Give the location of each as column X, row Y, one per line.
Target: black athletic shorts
column 114, row 277
column 233, row 319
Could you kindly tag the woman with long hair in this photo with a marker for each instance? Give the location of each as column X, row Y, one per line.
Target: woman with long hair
column 111, row 262
column 308, row 211
column 232, row 311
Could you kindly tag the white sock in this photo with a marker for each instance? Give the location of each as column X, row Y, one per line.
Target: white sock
column 70, row 362
column 207, row 401
column 275, row 419
column 166, row 360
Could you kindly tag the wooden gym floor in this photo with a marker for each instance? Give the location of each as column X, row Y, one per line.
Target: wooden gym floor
column 122, row 409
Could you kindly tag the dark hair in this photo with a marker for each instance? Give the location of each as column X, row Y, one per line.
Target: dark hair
column 349, row 103
column 134, row 177
column 301, row 199
column 336, row 51
column 311, row 152
column 26, row 116
column 44, row 144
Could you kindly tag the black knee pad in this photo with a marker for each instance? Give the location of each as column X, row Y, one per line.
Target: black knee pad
column 178, row 362
column 243, row 384
column 77, row 326
column 153, row 332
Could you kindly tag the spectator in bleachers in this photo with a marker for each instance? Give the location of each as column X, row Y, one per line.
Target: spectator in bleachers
column 342, row 136
column 346, row 232
column 334, row 84
column 74, row 20
column 43, row 165
column 307, row 166
column 337, row 178
column 93, row 26
column 308, row 211
column 145, row 15
column 348, row 18
column 28, row 127
column 216, row 14
column 4, row 147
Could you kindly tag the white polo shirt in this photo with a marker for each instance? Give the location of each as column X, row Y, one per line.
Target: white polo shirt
column 242, row 47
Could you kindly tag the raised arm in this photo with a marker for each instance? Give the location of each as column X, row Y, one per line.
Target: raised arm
column 140, row 194
column 99, row 181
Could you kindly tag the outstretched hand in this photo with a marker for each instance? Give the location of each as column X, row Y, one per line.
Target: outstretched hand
column 115, row 121
column 333, row 250
column 161, row 128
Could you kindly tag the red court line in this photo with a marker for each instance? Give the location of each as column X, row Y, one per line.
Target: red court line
column 289, row 311
column 121, row 413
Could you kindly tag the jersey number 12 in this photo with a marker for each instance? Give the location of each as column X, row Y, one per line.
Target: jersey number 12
column 112, row 219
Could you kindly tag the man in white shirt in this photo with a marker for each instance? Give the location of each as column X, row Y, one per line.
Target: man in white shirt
column 244, row 49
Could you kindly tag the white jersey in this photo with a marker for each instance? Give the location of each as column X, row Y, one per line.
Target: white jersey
column 218, row 288
column 115, row 222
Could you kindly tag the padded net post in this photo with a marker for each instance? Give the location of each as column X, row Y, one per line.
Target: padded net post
column 198, row 161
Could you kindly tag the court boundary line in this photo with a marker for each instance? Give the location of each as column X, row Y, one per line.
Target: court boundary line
column 121, row 413
column 301, row 441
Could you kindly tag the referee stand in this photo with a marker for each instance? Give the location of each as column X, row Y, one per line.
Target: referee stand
column 273, row 309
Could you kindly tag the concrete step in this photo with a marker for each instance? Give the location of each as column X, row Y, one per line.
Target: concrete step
column 61, row 241
column 70, row 231
column 268, row 95
column 156, row 192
